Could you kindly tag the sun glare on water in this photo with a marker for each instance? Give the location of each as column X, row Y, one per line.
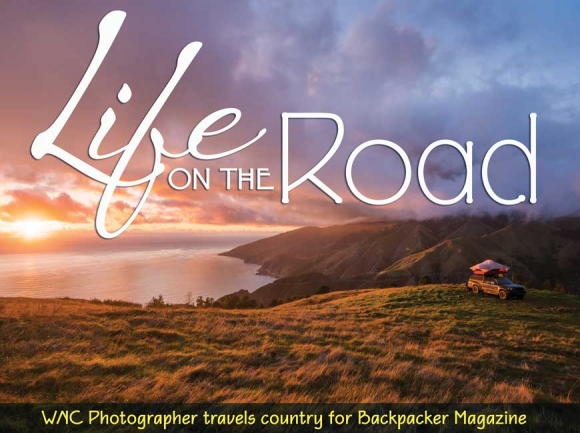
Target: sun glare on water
column 33, row 228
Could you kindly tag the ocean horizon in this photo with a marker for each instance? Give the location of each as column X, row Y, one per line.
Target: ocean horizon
column 176, row 268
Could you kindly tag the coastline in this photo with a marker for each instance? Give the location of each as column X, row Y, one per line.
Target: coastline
column 131, row 275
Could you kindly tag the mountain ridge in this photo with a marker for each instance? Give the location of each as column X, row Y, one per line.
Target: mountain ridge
column 407, row 252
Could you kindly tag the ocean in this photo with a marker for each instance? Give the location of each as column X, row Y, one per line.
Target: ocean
column 132, row 271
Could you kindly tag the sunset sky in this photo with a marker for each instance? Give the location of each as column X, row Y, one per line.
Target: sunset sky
column 408, row 72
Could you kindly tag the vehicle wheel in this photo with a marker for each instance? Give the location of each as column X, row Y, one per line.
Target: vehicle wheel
column 475, row 289
column 502, row 295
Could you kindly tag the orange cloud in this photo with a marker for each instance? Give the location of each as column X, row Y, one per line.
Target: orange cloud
column 33, row 202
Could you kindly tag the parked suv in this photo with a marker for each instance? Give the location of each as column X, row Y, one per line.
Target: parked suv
column 500, row 286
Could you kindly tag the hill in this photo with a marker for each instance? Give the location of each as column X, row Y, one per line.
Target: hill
column 396, row 253
column 428, row 344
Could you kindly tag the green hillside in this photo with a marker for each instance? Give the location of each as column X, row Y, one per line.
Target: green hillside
column 428, row 344
column 401, row 253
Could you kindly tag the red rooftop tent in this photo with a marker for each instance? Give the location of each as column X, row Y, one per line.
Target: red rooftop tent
column 489, row 266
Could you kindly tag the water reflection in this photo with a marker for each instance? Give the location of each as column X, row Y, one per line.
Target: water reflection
column 134, row 276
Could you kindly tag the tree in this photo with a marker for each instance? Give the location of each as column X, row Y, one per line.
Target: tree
column 189, row 299
column 208, row 302
column 199, row 302
column 425, row 279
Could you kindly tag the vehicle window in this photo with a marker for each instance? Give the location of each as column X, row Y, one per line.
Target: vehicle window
column 505, row 281
column 490, row 281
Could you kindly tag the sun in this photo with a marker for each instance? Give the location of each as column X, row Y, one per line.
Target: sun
column 33, row 228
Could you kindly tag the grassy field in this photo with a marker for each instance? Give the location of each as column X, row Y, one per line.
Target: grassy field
column 417, row 344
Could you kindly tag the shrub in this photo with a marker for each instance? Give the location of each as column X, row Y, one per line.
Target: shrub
column 560, row 288
column 232, row 302
column 120, row 303
column 158, row 302
column 275, row 302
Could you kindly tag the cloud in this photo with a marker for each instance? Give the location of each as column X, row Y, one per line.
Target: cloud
column 377, row 47
column 29, row 203
column 409, row 72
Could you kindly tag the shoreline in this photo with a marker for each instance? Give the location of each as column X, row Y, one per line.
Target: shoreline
column 133, row 276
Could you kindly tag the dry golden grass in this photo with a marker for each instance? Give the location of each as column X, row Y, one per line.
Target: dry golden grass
column 427, row 344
